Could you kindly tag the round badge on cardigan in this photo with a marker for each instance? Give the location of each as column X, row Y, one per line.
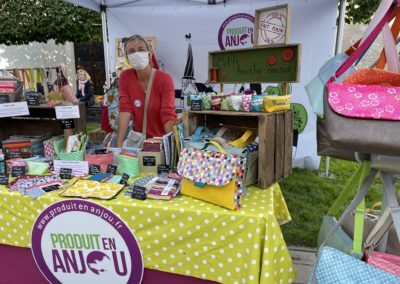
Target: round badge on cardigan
column 138, row 103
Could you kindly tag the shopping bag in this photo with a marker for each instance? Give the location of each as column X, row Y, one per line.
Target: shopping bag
column 102, row 160
column 215, row 177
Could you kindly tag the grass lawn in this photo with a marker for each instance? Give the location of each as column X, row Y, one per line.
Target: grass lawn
column 309, row 197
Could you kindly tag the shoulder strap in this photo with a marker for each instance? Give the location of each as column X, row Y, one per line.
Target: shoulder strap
column 146, row 104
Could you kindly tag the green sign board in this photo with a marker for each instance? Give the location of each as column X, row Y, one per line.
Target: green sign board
column 271, row 64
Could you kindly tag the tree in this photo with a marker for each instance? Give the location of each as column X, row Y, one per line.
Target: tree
column 24, row 21
column 360, row 11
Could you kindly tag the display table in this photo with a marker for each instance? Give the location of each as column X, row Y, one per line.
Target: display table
column 184, row 236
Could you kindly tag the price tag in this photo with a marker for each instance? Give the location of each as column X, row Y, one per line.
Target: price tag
column 33, row 100
column 112, row 169
column 149, row 161
column 124, row 179
column 67, row 112
column 17, row 171
column 51, row 187
column 138, row 192
column 100, row 151
column 168, row 187
column 195, row 105
column 14, row 109
column 65, row 173
column 162, row 169
column 94, row 169
column 67, row 124
column 3, row 179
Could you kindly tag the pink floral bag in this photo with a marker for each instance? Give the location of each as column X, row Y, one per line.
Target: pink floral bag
column 365, row 101
column 102, row 160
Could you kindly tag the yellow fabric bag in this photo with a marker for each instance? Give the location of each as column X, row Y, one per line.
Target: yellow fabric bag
column 276, row 103
column 215, row 177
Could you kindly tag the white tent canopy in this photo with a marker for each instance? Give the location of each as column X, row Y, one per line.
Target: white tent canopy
column 313, row 26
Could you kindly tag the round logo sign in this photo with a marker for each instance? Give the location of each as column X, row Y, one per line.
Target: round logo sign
column 138, row 103
column 236, row 31
column 273, row 28
column 77, row 241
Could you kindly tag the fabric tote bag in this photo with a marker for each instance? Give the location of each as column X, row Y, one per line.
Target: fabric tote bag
column 362, row 118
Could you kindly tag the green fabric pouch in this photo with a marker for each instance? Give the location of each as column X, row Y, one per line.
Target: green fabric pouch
column 37, row 168
column 128, row 165
column 59, row 149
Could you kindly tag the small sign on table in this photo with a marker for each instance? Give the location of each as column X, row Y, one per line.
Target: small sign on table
column 3, row 179
column 138, row 192
column 67, row 124
column 65, row 173
column 94, row 169
column 17, row 171
column 124, row 179
column 112, row 169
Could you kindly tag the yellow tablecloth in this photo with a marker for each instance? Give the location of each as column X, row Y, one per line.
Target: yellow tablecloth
column 185, row 236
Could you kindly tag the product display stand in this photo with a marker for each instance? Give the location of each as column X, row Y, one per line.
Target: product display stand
column 42, row 119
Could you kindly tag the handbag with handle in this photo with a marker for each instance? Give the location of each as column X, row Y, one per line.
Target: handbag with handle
column 356, row 116
column 215, row 177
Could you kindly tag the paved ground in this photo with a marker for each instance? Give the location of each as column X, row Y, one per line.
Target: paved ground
column 303, row 259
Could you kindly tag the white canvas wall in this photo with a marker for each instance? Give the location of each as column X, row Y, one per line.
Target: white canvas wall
column 313, row 25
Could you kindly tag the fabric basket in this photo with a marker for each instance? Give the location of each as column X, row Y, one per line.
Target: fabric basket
column 102, row 160
column 214, row 177
column 59, row 149
column 128, row 165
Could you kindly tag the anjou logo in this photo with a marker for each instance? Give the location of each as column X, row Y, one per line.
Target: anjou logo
column 77, row 241
column 236, row 31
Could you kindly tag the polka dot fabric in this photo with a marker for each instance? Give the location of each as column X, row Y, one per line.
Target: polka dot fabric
column 185, row 236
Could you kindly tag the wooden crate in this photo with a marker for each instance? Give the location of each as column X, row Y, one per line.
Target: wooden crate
column 275, row 132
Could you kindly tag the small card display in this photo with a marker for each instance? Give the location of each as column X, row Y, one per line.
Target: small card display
column 112, row 169
column 4, row 99
column 65, row 173
column 149, row 161
column 94, row 169
column 100, row 151
column 124, row 179
column 67, row 124
column 162, row 169
column 17, row 171
column 33, row 100
column 3, row 179
column 138, row 192
column 195, row 105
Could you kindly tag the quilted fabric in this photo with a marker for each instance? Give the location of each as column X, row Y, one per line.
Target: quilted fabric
column 128, row 165
column 385, row 261
column 212, row 168
column 94, row 189
column 246, row 103
column 334, row 267
column 365, row 101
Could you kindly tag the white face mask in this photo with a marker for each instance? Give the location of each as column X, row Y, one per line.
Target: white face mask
column 139, row 60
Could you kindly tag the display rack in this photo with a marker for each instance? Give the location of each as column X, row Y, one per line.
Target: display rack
column 42, row 119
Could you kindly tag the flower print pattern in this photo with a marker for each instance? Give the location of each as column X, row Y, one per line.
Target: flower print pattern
column 365, row 101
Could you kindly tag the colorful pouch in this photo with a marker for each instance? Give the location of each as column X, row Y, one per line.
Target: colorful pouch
column 236, row 102
column 59, row 149
column 15, row 162
column 216, row 102
column 128, row 165
column 276, row 103
column 206, row 102
column 257, row 103
column 37, row 168
column 246, row 103
column 226, row 103
column 102, row 160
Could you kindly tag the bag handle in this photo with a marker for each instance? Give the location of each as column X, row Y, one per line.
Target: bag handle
column 216, row 144
column 364, row 45
column 196, row 137
column 146, row 104
column 395, row 32
column 393, row 63
column 244, row 140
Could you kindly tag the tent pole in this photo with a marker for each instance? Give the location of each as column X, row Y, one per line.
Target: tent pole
column 103, row 9
column 338, row 49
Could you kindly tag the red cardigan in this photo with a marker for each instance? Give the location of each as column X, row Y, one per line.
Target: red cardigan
column 161, row 107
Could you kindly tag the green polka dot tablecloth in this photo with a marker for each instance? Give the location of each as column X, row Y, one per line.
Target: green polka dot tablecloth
column 185, row 236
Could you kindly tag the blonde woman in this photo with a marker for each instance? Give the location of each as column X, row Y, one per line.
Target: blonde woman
column 85, row 87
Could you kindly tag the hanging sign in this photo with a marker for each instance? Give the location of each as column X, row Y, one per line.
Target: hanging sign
column 78, row 241
column 67, row 112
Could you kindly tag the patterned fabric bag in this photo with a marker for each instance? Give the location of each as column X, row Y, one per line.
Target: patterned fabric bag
column 215, row 177
column 128, row 165
column 93, row 189
column 102, row 160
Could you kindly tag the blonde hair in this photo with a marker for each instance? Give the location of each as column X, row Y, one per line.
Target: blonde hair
column 87, row 76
